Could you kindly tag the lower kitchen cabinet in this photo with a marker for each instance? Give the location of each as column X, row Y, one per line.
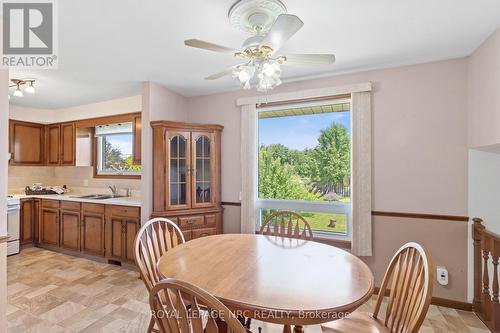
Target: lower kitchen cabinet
column 122, row 224
column 27, row 223
column 49, row 225
column 92, row 236
column 106, row 231
column 37, row 204
column 69, row 215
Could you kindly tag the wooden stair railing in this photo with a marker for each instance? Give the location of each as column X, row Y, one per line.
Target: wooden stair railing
column 486, row 253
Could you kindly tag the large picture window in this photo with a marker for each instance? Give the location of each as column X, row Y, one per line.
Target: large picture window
column 114, row 150
column 304, row 164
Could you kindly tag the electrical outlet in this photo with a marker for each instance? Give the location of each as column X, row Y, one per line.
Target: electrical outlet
column 442, row 275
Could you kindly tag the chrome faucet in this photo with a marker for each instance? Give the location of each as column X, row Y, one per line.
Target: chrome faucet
column 113, row 189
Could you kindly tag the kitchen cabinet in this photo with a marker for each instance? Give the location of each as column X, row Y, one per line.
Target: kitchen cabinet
column 186, row 169
column 49, row 223
column 37, row 204
column 61, row 144
column 137, row 132
column 122, row 225
column 92, row 235
column 106, row 231
column 53, row 144
column 27, row 215
column 70, row 225
column 29, row 221
column 26, row 141
column 68, row 144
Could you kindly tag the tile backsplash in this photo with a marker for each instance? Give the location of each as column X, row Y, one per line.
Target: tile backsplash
column 77, row 179
column 21, row 176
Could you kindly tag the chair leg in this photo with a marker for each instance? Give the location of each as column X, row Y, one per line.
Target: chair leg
column 298, row 329
column 151, row 325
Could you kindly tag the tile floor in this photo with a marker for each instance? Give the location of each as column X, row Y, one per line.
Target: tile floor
column 51, row 292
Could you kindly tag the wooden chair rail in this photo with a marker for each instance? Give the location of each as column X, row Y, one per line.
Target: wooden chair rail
column 486, row 285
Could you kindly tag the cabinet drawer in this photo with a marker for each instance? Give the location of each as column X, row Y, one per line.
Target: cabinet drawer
column 197, row 233
column 70, row 205
column 92, row 208
column 210, row 220
column 46, row 203
column 124, row 211
column 191, row 221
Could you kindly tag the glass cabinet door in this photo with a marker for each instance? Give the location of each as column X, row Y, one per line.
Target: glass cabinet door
column 179, row 164
column 203, row 177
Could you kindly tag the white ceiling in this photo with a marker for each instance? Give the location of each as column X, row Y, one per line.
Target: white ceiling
column 108, row 47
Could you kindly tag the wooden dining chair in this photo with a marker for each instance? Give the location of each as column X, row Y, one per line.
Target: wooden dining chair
column 155, row 237
column 286, row 224
column 411, row 277
column 203, row 314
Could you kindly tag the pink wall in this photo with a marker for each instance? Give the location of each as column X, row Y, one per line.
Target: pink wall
column 158, row 103
column 419, row 139
column 484, row 93
column 420, row 158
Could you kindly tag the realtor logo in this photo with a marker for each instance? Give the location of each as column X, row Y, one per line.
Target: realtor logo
column 29, row 34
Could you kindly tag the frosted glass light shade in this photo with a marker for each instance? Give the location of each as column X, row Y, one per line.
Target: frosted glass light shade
column 18, row 93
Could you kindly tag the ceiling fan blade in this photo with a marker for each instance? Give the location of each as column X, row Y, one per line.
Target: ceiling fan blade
column 209, row 46
column 309, row 59
column 227, row 71
column 284, row 28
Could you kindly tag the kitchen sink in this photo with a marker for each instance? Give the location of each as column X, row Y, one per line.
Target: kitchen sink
column 98, row 196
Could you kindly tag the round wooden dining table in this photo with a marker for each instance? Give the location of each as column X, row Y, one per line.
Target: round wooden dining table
column 273, row 279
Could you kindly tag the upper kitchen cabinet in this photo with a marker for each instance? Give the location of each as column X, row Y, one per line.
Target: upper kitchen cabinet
column 26, row 143
column 38, row 144
column 61, row 143
column 53, row 143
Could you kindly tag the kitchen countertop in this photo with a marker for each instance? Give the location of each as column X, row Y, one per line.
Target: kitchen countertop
column 124, row 201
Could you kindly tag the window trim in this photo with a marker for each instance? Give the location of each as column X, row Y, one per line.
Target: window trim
column 95, row 163
column 301, row 205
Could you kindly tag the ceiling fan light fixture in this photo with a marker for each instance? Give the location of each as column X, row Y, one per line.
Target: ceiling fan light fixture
column 270, row 27
column 18, row 92
column 271, row 68
column 245, row 74
column 30, row 89
column 268, row 82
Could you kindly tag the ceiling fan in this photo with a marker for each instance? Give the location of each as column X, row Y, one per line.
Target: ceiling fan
column 271, row 27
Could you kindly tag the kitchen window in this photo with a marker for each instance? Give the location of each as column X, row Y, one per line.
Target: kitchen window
column 304, row 164
column 113, row 151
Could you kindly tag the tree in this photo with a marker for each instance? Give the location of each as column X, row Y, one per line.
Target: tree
column 293, row 174
column 113, row 157
column 278, row 181
column 332, row 156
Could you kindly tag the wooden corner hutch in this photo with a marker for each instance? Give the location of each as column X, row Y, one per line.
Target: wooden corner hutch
column 187, row 176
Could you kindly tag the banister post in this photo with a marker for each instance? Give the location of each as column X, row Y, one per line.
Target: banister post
column 477, row 235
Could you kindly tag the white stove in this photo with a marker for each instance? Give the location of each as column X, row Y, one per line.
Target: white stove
column 13, row 225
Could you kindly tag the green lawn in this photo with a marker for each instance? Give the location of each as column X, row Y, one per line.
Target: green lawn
column 320, row 221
